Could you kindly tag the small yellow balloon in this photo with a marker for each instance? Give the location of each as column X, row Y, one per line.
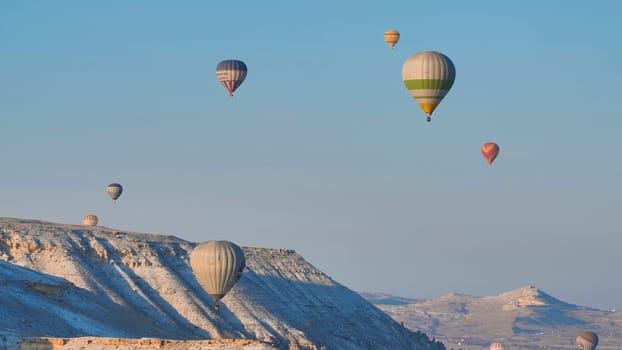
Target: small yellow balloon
column 89, row 220
column 391, row 36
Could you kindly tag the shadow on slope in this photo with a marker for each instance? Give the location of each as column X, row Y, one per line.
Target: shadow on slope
column 544, row 318
column 322, row 313
column 36, row 304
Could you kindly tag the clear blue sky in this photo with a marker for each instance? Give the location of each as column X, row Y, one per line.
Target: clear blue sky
column 322, row 150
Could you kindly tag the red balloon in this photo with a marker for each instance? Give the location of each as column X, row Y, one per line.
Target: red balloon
column 490, row 150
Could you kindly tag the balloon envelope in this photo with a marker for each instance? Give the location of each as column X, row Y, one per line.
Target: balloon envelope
column 231, row 74
column 428, row 76
column 217, row 266
column 114, row 191
column 391, row 36
column 496, row 346
column 587, row 340
column 490, row 150
column 89, row 220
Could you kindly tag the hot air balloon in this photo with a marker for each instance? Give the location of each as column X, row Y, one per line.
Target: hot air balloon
column 428, row 76
column 587, row 340
column 496, row 346
column 391, row 36
column 490, row 150
column 217, row 266
column 231, row 74
column 114, row 191
column 89, row 220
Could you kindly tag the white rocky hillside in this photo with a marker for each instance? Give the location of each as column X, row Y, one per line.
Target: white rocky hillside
column 61, row 280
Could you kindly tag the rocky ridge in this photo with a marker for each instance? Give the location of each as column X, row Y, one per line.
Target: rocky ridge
column 78, row 281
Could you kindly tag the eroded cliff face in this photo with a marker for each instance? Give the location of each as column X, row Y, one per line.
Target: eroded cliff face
column 72, row 280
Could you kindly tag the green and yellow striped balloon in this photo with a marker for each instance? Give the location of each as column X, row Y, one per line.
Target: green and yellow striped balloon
column 428, row 76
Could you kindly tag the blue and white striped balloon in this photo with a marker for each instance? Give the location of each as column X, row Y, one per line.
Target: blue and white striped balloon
column 114, row 191
column 231, row 74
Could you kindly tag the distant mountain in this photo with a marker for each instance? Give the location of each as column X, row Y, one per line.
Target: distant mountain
column 388, row 299
column 61, row 280
column 525, row 318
